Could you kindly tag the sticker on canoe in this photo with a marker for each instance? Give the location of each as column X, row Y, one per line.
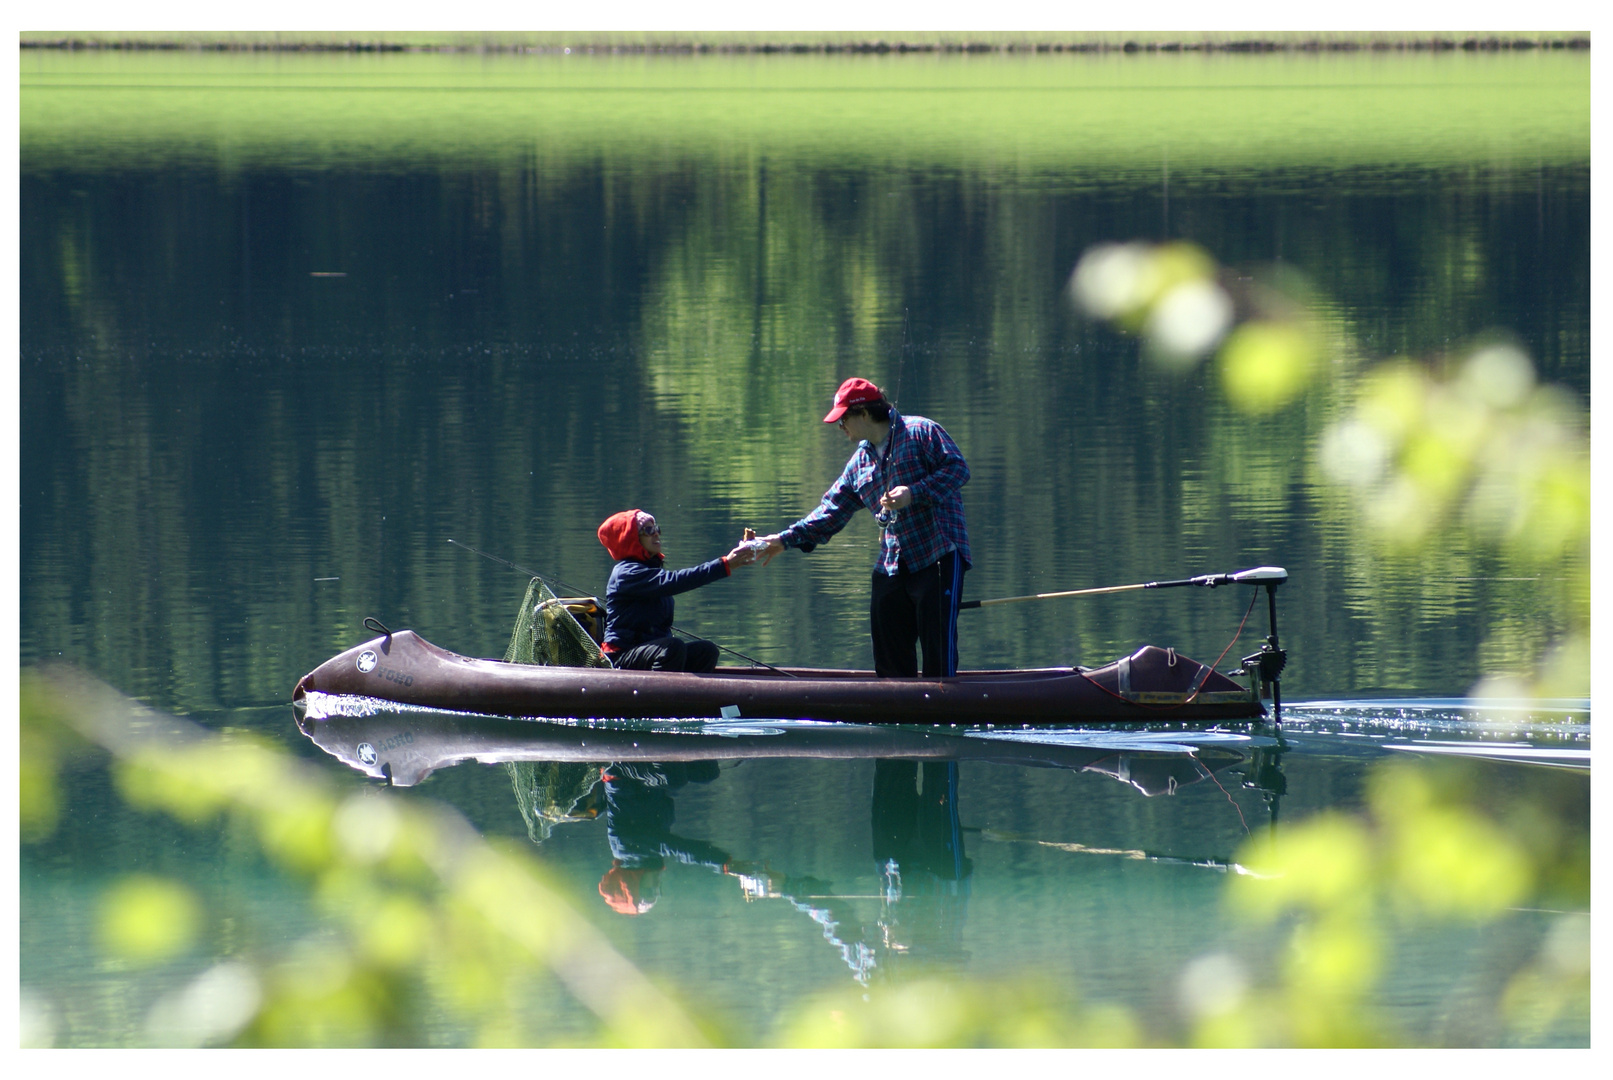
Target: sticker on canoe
column 366, row 753
column 367, row 661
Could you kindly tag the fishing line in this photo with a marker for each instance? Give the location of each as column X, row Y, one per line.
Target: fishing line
column 552, row 581
column 1235, row 636
column 901, row 359
column 1211, row 774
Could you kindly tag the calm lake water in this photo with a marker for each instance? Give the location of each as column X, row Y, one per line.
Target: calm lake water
column 290, row 324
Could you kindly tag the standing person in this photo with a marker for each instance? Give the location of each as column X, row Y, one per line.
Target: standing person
column 638, row 600
column 909, row 474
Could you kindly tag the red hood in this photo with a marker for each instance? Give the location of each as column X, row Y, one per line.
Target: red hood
column 619, row 534
column 627, row 891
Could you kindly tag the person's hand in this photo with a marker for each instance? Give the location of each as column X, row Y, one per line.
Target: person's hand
column 743, row 555
column 775, row 546
column 897, row 498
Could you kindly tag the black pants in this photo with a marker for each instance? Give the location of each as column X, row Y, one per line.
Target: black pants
column 669, row 654
column 913, row 608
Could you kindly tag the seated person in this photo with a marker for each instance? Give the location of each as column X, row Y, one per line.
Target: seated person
column 638, row 600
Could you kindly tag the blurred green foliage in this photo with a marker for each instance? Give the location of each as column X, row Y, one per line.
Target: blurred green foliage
column 1184, row 307
column 1459, row 452
column 422, row 914
column 146, row 919
column 1432, row 847
column 41, row 745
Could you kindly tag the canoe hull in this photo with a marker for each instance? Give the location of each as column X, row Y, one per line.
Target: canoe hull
column 404, row 747
column 1152, row 684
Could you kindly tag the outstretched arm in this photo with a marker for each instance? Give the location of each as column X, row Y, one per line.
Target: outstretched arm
column 831, row 515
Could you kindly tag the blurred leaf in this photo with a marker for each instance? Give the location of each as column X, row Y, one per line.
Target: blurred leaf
column 319, row 998
column 1322, row 863
column 146, row 919
column 43, row 741
column 1558, row 981
column 148, row 781
column 211, row 1009
column 1265, row 365
column 1187, row 322
column 1124, row 282
column 299, row 833
column 398, row 933
column 1391, row 398
column 39, row 796
column 1449, row 862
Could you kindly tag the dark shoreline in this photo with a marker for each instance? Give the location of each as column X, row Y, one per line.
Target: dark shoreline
column 619, row 43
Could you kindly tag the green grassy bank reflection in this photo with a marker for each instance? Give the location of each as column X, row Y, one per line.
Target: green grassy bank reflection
column 1034, row 115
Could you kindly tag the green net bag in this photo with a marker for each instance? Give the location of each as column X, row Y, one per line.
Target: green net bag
column 547, row 631
column 552, row 793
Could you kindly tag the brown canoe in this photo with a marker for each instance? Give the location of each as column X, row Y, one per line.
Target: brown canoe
column 1152, row 684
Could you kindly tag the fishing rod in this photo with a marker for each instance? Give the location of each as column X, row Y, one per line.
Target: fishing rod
column 553, row 581
column 1270, row 576
column 1269, row 661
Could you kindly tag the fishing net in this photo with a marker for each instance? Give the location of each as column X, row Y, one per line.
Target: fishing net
column 551, row 793
column 547, row 631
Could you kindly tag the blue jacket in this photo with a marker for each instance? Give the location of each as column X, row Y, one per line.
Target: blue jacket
column 638, row 600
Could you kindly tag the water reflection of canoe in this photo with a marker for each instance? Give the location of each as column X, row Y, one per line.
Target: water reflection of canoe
column 404, row 746
column 1151, row 684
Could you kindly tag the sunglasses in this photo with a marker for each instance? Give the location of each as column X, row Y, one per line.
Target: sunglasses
column 652, row 529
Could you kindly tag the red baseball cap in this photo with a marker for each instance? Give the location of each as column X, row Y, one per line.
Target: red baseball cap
column 853, row 392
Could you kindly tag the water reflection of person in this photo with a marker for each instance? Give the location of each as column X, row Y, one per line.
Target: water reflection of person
column 638, row 821
column 918, row 847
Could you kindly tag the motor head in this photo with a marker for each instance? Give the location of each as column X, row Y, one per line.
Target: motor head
column 1270, row 575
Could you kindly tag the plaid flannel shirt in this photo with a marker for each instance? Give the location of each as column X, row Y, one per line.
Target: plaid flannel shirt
column 920, row 454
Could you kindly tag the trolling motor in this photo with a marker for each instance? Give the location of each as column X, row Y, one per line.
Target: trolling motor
column 1266, row 666
column 1264, row 774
